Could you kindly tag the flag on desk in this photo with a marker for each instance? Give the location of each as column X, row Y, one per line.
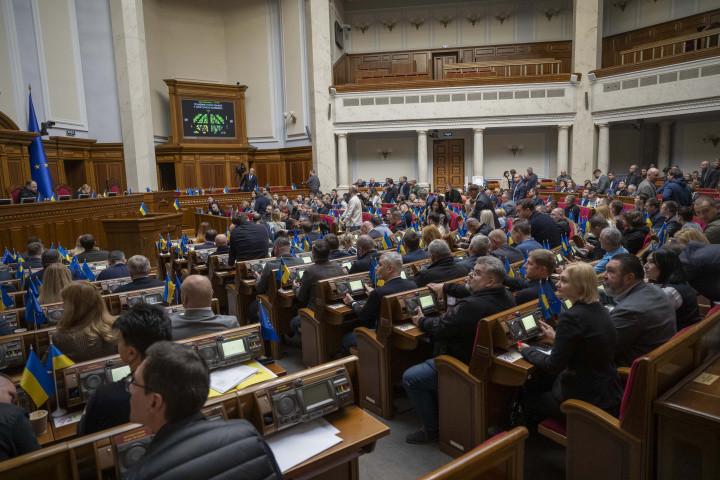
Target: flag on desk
column 52, row 198
column 178, row 285
column 266, row 329
column 294, row 187
column 510, row 239
column 6, row 300
column 571, row 215
column 307, row 244
column 57, row 360
column 30, row 284
column 33, row 312
column 93, row 194
column 176, row 204
column 162, row 243
column 169, row 292
column 555, row 305
column 75, row 268
column 105, row 193
column 36, row 381
column 63, row 252
column 143, row 210
column 401, row 248
column 87, row 271
column 20, row 272
column 39, row 170
column 508, row 269
column 8, row 258
column 226, row 190
column 147, row 189
column 283, row 274
column 386, row 242
column 663, row 234
column 522, row 267
column 648, row 222
column 543, row 302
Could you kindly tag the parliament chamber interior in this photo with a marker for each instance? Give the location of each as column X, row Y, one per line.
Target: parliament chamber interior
column 360, row 239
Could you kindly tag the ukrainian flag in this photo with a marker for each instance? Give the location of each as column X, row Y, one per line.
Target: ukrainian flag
column 509, row 269
column 88, row 271
column 36, row 381
column 283, row 274
column 6, row 300
column 386, row 242
column 543, row 301
column 225, row 190
column 648, row 222
column 52, row 198
column 143, row 210
column 64, row 253
column 510, row 240
column 177, row 205
column 401, row 248
column 294, row 187
column 162, row 243
column 169, row 293
column 105, row 193
column 307, row 244
column 57, row 359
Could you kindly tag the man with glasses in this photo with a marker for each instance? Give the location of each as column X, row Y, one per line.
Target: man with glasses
column 452, row 334
column 167, row 393
column 138, row 328
column 16, row 433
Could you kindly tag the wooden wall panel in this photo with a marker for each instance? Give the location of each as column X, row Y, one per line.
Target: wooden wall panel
column 189, row 174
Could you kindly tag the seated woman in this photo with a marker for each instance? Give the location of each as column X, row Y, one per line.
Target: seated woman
column 435, row 220
column 85, row 330
column 487, row 222
column 200, row 234
column 347, row 243
column 663, row 268
column 215, row 209
column 635, row 232
column 581, row 362
column 84, row 190
column 430, row 233
column 571, row 187
column 56, row 277
column 562, row 186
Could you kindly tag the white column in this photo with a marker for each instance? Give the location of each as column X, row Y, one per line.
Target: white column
column 478, row 152
column 131, row 70
column 603, row 147
column 664, row 145
column 562, row 148
column 342, row 162
column 320, row 68
column 422, row 158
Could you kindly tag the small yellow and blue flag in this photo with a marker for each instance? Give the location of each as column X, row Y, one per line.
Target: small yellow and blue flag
column 36, row 381
column 57, row 360
column 143, row 210
column 510, row 239
column 543, row 302
column 225, row 190
column 52, row 198
column 176, row 204
column 169, row 292
column 386, row 242
column 283, row 274
column 162, row 243
column 307, row 244
column 6, row 300
column 508, row 269
column 401, row 248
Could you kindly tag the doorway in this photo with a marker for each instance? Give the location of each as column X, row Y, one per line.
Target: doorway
column 441, row 59
column 448, row 163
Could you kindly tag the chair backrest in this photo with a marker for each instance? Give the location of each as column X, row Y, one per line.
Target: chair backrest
column 113, row 185
column 62, row 189
column 53, row 462
column 14, row 191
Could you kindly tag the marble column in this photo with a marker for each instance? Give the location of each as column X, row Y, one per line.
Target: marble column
column 478, row 152
column 587, row 42
column 603, row 153
column 320, row 70
column 342, row 153
column 131, row 70
column 562, row 148
column 664, row 145
column 422, row 158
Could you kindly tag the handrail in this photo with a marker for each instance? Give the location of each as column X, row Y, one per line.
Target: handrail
column 678, row 44
column 657, row 62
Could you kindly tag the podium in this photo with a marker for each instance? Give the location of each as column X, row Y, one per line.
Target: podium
column 139, row 235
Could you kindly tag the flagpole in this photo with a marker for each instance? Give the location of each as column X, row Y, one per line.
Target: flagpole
column 58, row 412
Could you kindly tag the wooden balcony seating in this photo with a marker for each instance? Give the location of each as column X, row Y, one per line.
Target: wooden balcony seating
column 670, row 47
column 478, row 74
column 508, row 68
column 394, row 77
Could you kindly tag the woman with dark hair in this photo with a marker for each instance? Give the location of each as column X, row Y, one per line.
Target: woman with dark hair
column 438, row 207
column 571, row 188
column 635, row 232
column 663, row 267
column 562, row 186
column 505, row 181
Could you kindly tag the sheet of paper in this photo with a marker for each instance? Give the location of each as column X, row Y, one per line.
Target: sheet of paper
column 511, row 356
column 299, row 443
column 68, row 419
column 405, row 326
column 263, row 375
column 223, row 380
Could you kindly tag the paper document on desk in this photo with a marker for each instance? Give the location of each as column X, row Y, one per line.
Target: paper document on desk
column 510, row 356
column 68, row 419
column 301, row 442
column 223, row 380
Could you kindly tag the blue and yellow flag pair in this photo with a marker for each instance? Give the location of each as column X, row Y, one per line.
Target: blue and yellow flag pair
column 373, row 273
column 294, row 187
column 549, row 302
column 225, row 190
column 6, row 300
column 307, row 244
column 169, row 292
column 77, row 269
column 386, row 242
column 63, row 252
column 143, row 209
column 508, row 269
column 283, row 273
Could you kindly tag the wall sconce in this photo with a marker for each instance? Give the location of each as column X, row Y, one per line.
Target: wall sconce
column 713, row 138
column 550, row 12
column 390, row 24
column 417, row 22
column 621, row 4
column 473, row 18
column 502, row 16
column 291, row 116
column 444, row 20
column 363, row 27
column 384, row 153
column 515, row 149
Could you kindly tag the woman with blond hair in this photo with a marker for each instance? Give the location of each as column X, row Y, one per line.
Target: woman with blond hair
column 605, row 212
column 200, row 234
column 85, row 330
column 55, row 277
column 581, row 359
column 430, row 233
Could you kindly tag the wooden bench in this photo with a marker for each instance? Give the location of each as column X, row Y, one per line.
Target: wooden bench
column 508, row 68
column 670, row 47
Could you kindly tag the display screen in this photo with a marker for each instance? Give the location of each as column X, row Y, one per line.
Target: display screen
column 356, row 285
column 119, row 373
column 307, row 260
column 568, row 303
column 208, row 119
column 230, row 349
column 153, row 299
column 347, row 265
column 316, row 394
column 402, row 274
column 426, row 301
column 529, row 323
column 300, row 273
column 100, row 267
column 559, row 257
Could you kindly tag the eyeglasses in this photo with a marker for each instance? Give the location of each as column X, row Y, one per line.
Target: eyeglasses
column 128, row 380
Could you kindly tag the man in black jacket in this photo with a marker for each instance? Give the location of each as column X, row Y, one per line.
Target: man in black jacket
column 541, row 224
column 34, row 260
column 210, row 235
column 167, row 393
column 116, row 267
column 248, row 241
column 29, row 191
column 452, row 195
column 366, row 251
column 404, row 187
column 138, row 328
column 453, row 334
column 221, row 245
column 389, row 269
column 249, row 181
column 572, row 211
column 442, row 267
column 518, row 190
column 501, row 250
column 139, row 268
column 16, row 434
column 391, row 192
column 413, row 252
column 262, row 201
column 482, row 202
column 539, row 266
column 633, row 177
column 91, row 253
column 708, row 176
column 479, row 247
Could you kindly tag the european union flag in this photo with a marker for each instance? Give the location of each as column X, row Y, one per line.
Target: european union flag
column 33, row 312
column 266, row 329
column 555, row 305
column 36, row 381
column 39, row 170
column 178, row 284
column 373, row 274
column 8, row 258
column 75, row 267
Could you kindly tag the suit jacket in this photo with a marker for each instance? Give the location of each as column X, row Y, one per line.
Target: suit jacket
column 221, row 250
column 518, row 191
column 261, row 203
column 453, row 196
column 647, row 188
column 94, row 255
column 119, row 270
column 141, row 283
column 339, row 254
column 440, row 271
column 543, row 228
column 633, row 179
column 415, row 256
column 369, row 314
column 249, row 182
column 404, row 189
column 312, row 275
column 248, row 241
column 263, row 282
column 603, row 184
column 205, row 246
column 16, row 434
column 508, row 252
column 33, row 262
column 362, row 264
column 390, row 194
column 709, row 178
column 199, row 321
column 108, row 407
column 613, row 185
column 469, row 263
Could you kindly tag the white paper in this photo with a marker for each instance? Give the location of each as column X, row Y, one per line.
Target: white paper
column 510, row 356
column 223, row 380
column 299, row 443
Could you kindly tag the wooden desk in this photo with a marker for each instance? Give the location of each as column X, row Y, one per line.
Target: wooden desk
column 689, row 426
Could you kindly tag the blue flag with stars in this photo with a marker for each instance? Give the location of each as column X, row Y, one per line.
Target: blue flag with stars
column 266, row 329
column 39, row 170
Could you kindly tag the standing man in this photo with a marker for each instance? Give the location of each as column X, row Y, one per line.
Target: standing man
column 518, row 190
column 676, row 188
column 352, row 218
column 248, row 241
column 314, row 182
column 404, row 187
column 633, row 177
column 541, row 224
column 603, row 182
column 563, row 177
column 708, row 176
column 531, row 180
column 249, row 181
column 613, row 183
column 647, row 186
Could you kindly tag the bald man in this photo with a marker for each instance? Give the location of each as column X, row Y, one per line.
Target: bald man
column 16, row 434
column 221, row 245
column 500, row 249
column 647, row 186
column 198, row 318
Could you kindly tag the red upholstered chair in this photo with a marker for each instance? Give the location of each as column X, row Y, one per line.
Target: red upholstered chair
column 14, row 192
column 62, row 189
column 366, row 217
column 113, row 185
column 453, row 220
column 276, row 189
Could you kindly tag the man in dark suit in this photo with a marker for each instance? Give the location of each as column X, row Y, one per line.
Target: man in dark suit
column 249, row 181
column 366, row 251
column 452, row 195
column 501, row 250
column 389, row 269
column 572, row 211
column 603, row 182
column 248, row 241
column 540, row 265
column 397, row 221
column 708, row 176
column 34, row 260
column 139, row 268
column 391, row 192
column 404, row 187
column 372, row 183
column 48, row 258
column 479, row 247
column 221, row 245
column 262, row 201
column 633, row 177
column 138, row 328
column 210, row 235
column 91, row 253
column 16, row 433
column 29, row 191
column 116, row 267
column 442, row 267
column 198, row 318
column 531, row 180
column 541, row 224
column 518, row 190
column 413, row 252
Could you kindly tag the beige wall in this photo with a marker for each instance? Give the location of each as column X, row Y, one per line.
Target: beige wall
column 293, row 59
column 639, row 14
column 7, row 101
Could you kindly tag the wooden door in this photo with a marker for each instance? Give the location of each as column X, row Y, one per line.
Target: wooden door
column 448, row 163
column 440, row 60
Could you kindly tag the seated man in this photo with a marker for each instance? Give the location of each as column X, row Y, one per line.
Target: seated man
column 538, row 268
column 521, row 236
column 610, row 241
column 652, row 207
column 248, row 241
column 335, row 251
column 479, row 247
column 210, row 235
column 453, row 334
column 389, row 269
column 116, row 267
column 442, row 267
column 198, row 318
column 413, row 252
column 167, row 393
column 48, row 258
column 398, row 221
column 379, row 228
column 558, row 215
column 34, row 260
column 643, row 315
column 221, row 245
column 137, row 328
column 669, row 210
column 91, row 253
column 29, row 191
column 572, row 211
column 307, row 228
column 139, row 268
column 707, row 211
column 16, row 434
column 473, row 226
column 366, row 251
column 500, row 249
column 367, row 227
column 593, row 249
column 305, row 289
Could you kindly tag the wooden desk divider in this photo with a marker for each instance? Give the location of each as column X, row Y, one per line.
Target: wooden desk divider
column 219, row 273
